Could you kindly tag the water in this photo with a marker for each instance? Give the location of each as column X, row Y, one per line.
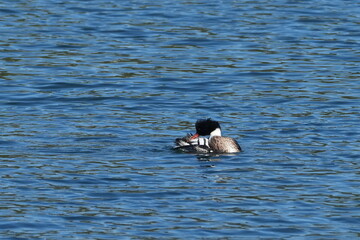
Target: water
column 93, row 93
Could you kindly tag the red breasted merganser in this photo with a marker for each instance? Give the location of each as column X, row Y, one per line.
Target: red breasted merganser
column 216, row 143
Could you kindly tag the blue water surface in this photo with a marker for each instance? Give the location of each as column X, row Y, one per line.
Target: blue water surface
column 93, row 94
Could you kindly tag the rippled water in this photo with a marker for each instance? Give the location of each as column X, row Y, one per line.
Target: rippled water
column 93, row 93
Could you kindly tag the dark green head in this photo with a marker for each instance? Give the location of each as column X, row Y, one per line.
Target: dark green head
column 206, row 126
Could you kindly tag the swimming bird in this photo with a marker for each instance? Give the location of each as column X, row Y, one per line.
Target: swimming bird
column 216, row 143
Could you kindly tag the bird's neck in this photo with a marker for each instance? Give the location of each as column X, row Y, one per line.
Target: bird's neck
column 216, row 132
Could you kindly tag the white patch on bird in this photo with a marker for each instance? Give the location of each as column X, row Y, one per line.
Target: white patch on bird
column 216, row 132
column 203, row 141
column 199, row 141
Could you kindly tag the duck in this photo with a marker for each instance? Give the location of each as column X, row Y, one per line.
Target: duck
column 215, row 144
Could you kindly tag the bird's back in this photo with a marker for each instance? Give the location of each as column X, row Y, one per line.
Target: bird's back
column 224, row 144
